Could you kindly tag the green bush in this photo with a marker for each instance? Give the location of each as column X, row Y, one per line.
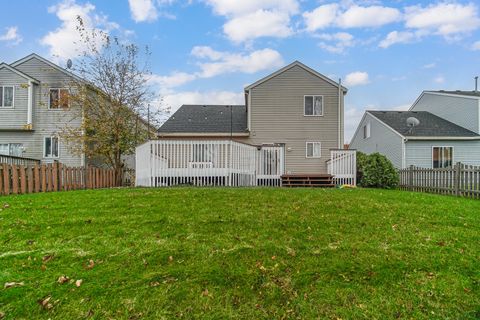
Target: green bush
column 376, row 171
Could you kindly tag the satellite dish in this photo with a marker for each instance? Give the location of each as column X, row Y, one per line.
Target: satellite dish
column 69, row 64
column 412, row 122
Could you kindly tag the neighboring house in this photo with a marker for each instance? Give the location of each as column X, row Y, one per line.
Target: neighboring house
column 34, row 109
column 295, row 108
column 447, row 131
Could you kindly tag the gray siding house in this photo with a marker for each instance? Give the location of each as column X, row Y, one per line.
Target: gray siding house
column 295, row 107
column 447, row 131
column 33, row 110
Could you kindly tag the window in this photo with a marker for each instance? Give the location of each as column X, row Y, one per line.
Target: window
column 202, row 153
column 314, row 149
column 442, row 157
column 11, row 149
column 6, row 96
column 313, row 105
column 366, row 131
column 58, row 98
column 51, row 147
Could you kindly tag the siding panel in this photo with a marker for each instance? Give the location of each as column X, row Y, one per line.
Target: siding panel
column 14, row 118
column 382, row 140
column 277, row 117
column 419, row 153
column 459, row 110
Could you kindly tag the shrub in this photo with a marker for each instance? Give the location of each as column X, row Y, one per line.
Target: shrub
column 376, row 171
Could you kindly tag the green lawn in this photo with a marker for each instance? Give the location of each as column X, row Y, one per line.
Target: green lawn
column 241, row 254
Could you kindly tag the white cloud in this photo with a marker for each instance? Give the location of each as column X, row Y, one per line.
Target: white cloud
column 397, row 37
column 143, row 10
column 445, row 19
column 476, row 46
column 429, row 65
column 213, row 63
column 357, row 78
column 373, row 16
column 225, row 62
column 439, row 79
column 11, row 36
column 175, row 100
column 321, row 17
column 251, row 19
column 65, row 41
column 353, row 17
column 239, row 8
column 337, row 42
column 261, row 23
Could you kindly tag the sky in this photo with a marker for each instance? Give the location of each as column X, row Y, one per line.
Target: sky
column 207, row 51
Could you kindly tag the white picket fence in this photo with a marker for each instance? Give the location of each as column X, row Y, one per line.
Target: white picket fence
column 343, row 167
column 208, row 163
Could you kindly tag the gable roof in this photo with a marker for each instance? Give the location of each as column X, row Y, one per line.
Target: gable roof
column 430, row 125
column 20, row 73
column 206, row 119
column 291, row 65
column 48, row 62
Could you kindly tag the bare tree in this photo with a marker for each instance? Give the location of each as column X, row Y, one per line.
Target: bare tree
column 112, row 98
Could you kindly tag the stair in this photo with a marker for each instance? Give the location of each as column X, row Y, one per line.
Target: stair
column 308, row 180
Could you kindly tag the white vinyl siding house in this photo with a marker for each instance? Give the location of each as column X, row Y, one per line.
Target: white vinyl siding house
column 448, row 131
column 373, row 136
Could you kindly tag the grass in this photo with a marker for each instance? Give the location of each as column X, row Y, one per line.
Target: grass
column 240, row 254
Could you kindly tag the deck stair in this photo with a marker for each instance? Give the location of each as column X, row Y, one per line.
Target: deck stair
column 308, row 180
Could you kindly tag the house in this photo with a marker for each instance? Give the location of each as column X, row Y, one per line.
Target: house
column 34, row 108
column 296, row 110
column 440, row 129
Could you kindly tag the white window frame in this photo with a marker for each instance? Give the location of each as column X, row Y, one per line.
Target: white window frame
column 59, row 107
column 45, row 147
column 313, row 97
column 313, row 156
column 453, row 155
column 366, row 130
column 9, row 147
column 3, row 97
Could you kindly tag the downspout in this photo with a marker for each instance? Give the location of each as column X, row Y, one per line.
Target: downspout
column 30, row 105
column 340, row 146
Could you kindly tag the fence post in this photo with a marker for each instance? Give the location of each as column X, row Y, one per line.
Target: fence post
column 410, row 178
column 458, row 172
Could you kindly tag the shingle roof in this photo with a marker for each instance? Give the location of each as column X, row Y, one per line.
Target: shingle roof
column 460, row 92
column 207, row 119
column 430, row 124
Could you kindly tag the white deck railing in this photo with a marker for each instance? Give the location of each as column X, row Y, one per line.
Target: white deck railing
column 207, row 163
column 343, row 166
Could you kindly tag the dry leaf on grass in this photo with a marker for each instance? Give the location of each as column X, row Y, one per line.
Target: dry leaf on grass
column 63, row 279
column 2, row 315
column 78, row 283
column 47, row 258
column 13, row 284
column 205, row 293
column 90, row 265
column 45, row 302
column 170, row 259
column 6, row 206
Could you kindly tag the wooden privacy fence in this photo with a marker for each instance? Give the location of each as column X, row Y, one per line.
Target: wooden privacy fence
column 461, row 180
column 18, row 179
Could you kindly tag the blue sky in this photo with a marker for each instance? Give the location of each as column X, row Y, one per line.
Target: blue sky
column 206, row 51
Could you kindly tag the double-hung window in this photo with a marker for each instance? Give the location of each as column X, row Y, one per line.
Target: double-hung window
column 58, row 98
column 6, row 96
column 314, row 150
column 313, row 105
column 51, row 147
column 442, row 157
